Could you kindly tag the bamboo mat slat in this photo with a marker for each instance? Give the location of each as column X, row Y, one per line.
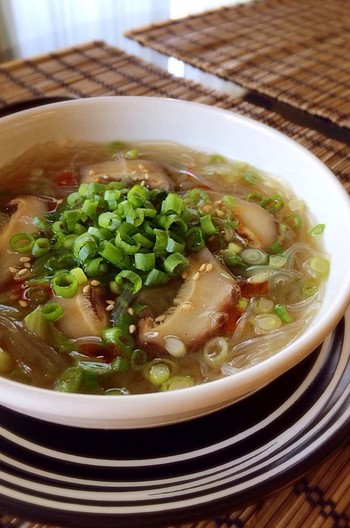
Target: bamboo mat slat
column 296, row 51
column 321, row 499
column 95, row 69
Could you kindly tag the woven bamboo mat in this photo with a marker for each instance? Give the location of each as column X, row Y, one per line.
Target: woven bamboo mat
column 322, row 498
column 297, row 51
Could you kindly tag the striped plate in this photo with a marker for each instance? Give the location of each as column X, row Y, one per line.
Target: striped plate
column 185, row 472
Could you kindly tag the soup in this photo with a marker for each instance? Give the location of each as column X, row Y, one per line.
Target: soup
column 148, row 267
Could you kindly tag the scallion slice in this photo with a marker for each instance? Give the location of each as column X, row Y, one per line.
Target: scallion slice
column 65, row 284
column 175, row 264
column 22, row 243
column 145, row 261
column 130, row 280
column 52, row 311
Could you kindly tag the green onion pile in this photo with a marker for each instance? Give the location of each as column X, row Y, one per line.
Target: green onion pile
column 135, row 236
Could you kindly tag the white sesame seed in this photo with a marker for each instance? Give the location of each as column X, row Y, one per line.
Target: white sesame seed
column 196, row 276
column 109, row 308
column 22, row 274
column 86, row 288
column 95, row 282
column 130, row 311
column 23, row 303
column 209, row 267
column 24, row 259
column 132, row 329
column 160, row 318
column 12, row 269
column 202, row 268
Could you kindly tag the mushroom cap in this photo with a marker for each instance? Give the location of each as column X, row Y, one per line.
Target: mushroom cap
column 21, row 221
column 128, row 171
column 199, row 310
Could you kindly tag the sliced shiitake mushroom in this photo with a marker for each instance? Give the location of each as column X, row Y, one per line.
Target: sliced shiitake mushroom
column 25, row 209
column 199, row 309
column 129, row 171
column 83, row 315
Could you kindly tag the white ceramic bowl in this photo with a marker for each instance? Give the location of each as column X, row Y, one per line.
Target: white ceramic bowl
column 209, row 129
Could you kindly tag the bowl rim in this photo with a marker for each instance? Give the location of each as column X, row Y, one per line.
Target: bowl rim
column 246, row 377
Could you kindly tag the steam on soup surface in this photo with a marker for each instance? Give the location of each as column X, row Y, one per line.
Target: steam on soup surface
column 148, row 267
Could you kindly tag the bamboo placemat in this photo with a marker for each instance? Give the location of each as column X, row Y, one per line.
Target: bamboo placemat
column 322, row 498
column 297, row 51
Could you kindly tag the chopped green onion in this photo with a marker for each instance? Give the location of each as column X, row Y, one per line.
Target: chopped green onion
column 74, row 199
column 161, row 240
column 120, row 364
column 128, row 244
column 309, row 288
column 129, row 279
column 143, row 241
column 317, row 229
column 251, row 177
column 131, row 154
column 277, row 261
column 37, row 294
column 175, row 264
column 197, row 197
column 52, row 311
column 282, row 313
column 79, row 275
column 100, row 233
column 6, row 361
column 229, row 201
column 137, row 195
column 215, row 352
column 94, row 367
column 22, row 243
column 41, row 247
column 96, row 267
column 207, row 226
column 85, row 247
column 318, row 266
column 109, row 221
column 69, row 240
column 177, row 382
column 115, row 146
column 266, row 323
column 110, row 252
column 253, row 256
column 276, row 248
column 173, row 204
column 145, row 261
column 175, row 244
column 273, row 203
column 89, row 208
column 194, row 239
column 263, row 305
column 70, row 218
column 159, row 373
column 65, row 284
column 70, row 380
column 156, row 277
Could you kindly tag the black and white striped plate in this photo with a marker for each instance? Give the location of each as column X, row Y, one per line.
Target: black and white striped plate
column 185, row 472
